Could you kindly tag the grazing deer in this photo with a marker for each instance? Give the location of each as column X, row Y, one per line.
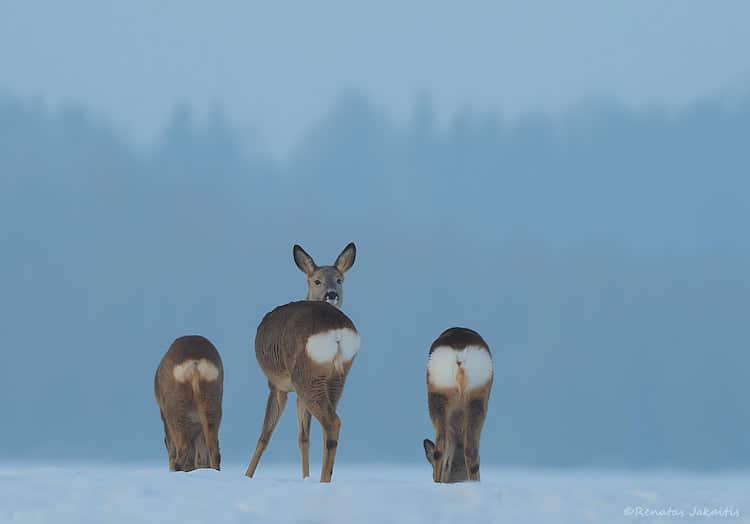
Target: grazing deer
column 459, row 380
column 308, row 347
column 188, row 386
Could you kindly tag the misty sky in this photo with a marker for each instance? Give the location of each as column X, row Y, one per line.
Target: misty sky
column 277, row 67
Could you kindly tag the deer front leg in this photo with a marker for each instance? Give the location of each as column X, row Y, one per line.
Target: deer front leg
column 274, row 409
column 303, row 423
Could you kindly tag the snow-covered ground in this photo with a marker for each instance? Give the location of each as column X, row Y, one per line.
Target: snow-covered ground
column 126, row 493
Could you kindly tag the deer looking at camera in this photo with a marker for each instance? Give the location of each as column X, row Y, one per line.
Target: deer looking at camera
column 459, row 380
column 308, row 347
column 188, row 387
column 325, row 282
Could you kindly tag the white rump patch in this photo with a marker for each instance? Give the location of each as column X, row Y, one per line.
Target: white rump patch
column 207, row 370
column 443, row 367
column 337, row 345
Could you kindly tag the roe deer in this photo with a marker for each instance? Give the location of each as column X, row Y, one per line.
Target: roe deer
column 325, row 282
column 188, row 387
column 459, row 380
column 308, row 347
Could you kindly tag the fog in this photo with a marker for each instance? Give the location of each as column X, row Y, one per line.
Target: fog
column 602, row 253
column 277, row 67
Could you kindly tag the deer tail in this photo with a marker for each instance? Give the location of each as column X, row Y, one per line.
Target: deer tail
column 461, row 380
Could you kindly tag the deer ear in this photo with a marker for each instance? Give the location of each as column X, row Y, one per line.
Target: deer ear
column 429, row 449
column 303, row 260
column 346, row 259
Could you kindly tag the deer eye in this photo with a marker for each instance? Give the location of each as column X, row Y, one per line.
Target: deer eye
column 339, row 281
column 317, row 282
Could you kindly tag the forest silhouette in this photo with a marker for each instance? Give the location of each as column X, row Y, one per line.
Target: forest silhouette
column 603, row 254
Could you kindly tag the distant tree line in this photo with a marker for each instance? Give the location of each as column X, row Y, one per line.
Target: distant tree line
column 602, row 254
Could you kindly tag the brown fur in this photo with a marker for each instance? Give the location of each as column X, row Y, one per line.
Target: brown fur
column 280, row 347
column 190, row 411
column 457, row 419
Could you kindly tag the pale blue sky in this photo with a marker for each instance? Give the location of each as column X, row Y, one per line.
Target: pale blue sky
column 277, row 66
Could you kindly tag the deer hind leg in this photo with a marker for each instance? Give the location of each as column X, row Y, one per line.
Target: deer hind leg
column 206, row 446
column 452, row 435
column 474, row 423
column 201, row 451
column 214, row 456
column 320, row 406
column 331, row 428
column 168, row 444
column 439, row 454
column 274, row 409
column 303, row 423
column 184, row 451
column 206, row 442
column 172, row 456
column 444, row 446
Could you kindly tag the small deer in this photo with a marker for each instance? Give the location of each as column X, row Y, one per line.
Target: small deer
column 188, row 386
column 308, row 347
column 325, row 282
column 459, row 380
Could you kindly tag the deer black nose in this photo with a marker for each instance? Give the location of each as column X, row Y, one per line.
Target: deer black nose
column 332, row 295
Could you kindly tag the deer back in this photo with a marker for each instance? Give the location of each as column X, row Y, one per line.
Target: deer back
column 460, row 363
column 305, row 338
column 172, row 383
